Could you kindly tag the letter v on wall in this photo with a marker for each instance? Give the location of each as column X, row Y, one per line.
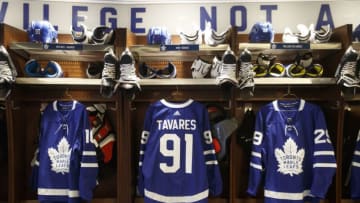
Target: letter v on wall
column 3, row 10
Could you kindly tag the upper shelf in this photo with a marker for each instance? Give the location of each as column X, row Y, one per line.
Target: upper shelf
column 312, row 46
column 67, row 52
column 356, row 45
column 57, row 81
column 270, row 81
column 286, row 51
column 153, row 52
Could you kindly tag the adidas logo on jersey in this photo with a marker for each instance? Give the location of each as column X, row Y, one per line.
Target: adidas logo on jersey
column 177, row 113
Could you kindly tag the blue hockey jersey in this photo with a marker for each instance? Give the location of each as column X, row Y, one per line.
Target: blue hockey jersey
column 177, row 160
column 65, row 167
column 292, row 153
column 355, row 171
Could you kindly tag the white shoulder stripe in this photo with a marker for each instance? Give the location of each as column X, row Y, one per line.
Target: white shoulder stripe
column 357, row 153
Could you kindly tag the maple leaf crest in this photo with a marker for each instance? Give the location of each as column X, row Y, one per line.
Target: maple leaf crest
column 60, row 158
column 290, row 160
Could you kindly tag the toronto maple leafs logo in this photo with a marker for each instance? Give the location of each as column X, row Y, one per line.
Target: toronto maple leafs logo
column 60, row 158
column 290, row 160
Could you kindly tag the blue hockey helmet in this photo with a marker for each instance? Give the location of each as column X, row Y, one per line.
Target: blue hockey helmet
column 158, row 35
column 42, row 31
column 261, row 32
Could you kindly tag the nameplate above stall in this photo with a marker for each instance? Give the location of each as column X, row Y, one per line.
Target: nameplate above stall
column 179, row 47
column 290, row 46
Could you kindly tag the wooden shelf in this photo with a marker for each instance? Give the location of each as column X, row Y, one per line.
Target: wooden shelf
column 174, row 81
column 58, row 81
column 319, row 51
column 265, row 46
column 153, row 53
column 295, row 81
column 356, row 45
column 65, row 52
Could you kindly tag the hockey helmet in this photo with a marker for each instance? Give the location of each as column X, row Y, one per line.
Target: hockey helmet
column 261, row 33
column 158, row 35
column 42, row 31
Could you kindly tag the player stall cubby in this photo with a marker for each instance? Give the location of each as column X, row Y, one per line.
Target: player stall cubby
column 3, row 153
column 178, row 89
column 350, row 138
column 178, row 93
column 31, row 94
column 321, row 91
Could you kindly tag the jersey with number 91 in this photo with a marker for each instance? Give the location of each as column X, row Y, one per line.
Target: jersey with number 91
column 292, row 152
column 177, row 160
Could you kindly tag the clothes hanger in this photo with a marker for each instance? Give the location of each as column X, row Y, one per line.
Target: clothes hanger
column 68, row 95
column 176, row 96
column 289, row 95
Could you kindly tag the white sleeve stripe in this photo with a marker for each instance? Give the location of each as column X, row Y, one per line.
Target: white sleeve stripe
column 257, row 166
column 141, row 152
column 325, row 165
column 256, row 154
column 209, row 152
column 211, row 162
column 356, row 164
column 321, row 153
column 357, row 153
column 140, row 163
column 89, row 153
column 89, row 165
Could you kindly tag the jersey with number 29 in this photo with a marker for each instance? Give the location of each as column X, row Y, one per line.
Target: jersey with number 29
column 292, row 151
column 177, row 160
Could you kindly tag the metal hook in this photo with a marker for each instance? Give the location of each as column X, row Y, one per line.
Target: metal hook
column 288, row 90
column 114, row 108
column 13, row 105
column 247, row 107
column 68, row 94
column 228, row 107
column 347, row 107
